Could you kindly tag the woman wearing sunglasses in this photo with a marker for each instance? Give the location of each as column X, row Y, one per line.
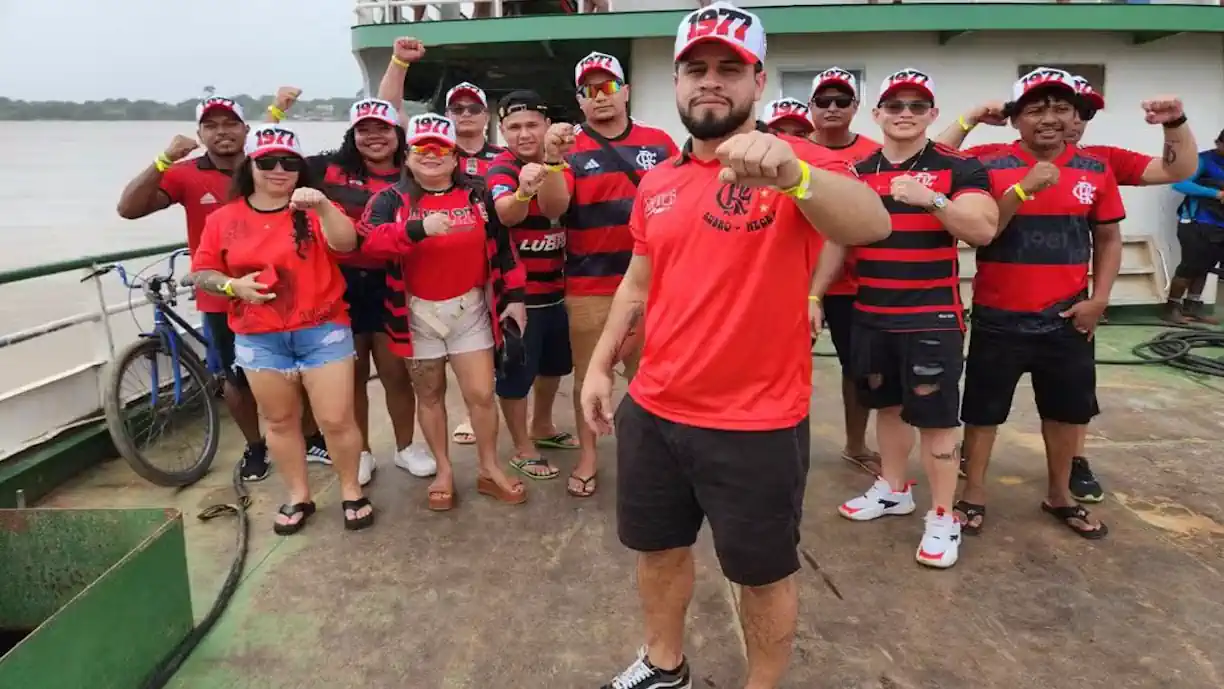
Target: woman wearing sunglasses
column 271, row 250
column 461, row 279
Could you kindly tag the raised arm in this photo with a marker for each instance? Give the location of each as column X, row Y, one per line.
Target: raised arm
column 157, row 186
column 1180, row 152
column 987, row 113
column 405, row 51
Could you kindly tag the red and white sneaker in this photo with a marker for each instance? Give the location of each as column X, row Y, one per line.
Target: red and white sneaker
column 879, row 500
column 941, row 541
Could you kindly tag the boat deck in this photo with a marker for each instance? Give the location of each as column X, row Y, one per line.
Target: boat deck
column 491, row 596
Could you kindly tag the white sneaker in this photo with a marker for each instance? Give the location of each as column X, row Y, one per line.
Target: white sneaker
column 417, row 460
column 941, row 541
column 879, row 500
column 366, row 467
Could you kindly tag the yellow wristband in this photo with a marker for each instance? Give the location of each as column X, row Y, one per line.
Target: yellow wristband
column 228, row 288
column 1020, row 192
column 161, row 162
column 400, row 63
column 276, row 112
column 813, row 298
column 555, row 167
column 518, row 194
column 800, row 190
column 963, row 124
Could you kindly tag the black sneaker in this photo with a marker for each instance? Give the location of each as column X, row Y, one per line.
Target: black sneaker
column 642, row 675
column 255, row 465
column 316, row 450
column 1084, row 484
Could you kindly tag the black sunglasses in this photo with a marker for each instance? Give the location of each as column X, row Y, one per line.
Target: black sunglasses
column 895, row 107
column 473, row 109
column 825, row 101
column 288, row 163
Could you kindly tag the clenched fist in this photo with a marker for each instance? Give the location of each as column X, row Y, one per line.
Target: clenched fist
column 990, row 112
column 179, row 147
column 757, row 159
column 531, row 177
column 286, row 96
column 305, row 198
column 408, row 49
column 1162, row 109
column 911, row 192
column 1042, row 176
column 558, row 141
column 437, row 224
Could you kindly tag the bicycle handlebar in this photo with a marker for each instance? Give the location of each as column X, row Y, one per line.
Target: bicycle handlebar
column 139, row 283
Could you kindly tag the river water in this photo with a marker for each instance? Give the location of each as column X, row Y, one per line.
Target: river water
column 59, row 183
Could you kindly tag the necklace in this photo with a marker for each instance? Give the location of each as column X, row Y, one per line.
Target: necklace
column 917, row 157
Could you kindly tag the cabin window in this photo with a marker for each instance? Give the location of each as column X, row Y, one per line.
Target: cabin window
column 797, row 83
column 1095, row 74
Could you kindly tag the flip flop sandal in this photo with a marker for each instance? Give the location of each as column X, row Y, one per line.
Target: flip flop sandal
column 860, row 461
column 588, row 486
column 1066, row 514
column 523, row 465
column 356, row 523
column 489, row 487
column 441, row 500
column 560, row 441
column 464, row 434
column 303, row 508
column 971, row 511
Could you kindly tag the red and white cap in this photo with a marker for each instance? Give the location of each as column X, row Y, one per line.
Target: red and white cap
column 727, row 24
column 373, row 109
column 837, row 77
column 787, row 109
column 908, row 78
column 431, row 127
column 272, row 138
column 1043, row 77
column 1095, row 100
column 598, row 62
column 467, row 88
column 218, row 103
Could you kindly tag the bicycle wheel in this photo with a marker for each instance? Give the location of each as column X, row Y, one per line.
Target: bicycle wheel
column 158, row 407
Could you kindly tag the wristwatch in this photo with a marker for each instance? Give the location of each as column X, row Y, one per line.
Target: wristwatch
column 939, row 203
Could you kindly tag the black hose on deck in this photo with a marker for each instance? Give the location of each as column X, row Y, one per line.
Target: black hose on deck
column 165, row 670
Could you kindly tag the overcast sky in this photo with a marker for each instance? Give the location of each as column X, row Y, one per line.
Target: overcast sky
column 168, row 50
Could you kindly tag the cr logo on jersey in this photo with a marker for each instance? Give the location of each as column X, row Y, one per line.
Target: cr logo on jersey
column 471, row 167
column 550, row 242
column 926, row 179
column 646, row 159
column 1084, row 192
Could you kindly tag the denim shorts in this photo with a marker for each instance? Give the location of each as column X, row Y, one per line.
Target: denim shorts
column 295, row 350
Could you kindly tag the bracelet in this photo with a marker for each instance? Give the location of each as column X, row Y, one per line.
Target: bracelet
column 228, row 288
column 813, row 298
column 162, row 162
column 963, row 124
column 556, row 167
column 518, row 195
column 802, row 189
column 1174, row 124
column 276, row 112
column 1020, row 192
column 400, row 63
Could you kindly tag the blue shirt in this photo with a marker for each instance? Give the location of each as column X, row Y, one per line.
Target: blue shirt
column 1202, row 191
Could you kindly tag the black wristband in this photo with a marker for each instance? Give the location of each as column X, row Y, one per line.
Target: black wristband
column 1174, row 124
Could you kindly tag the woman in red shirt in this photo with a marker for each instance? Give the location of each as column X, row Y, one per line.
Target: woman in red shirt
column 271, row 250
column 455, row 280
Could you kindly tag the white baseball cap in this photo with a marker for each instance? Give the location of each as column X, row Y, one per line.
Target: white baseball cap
column 431, row 127
column 598, row 62
column 908, row 78
column 218, row 103
column 787, row 109
column 470, row 89
column 373, row 109
column 272, row 138
column 835, row 76
column 1043, row 77
column 1095, row 100
column 726, row 24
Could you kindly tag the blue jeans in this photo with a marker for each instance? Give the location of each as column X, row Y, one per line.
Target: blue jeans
column 295, row 350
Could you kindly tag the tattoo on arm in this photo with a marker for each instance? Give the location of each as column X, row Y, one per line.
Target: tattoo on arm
column 1170, row 154
column 211, row 281
column 633, row 320
column 945, row 456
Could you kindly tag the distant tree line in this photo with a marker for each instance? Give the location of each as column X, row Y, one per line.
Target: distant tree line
column 183, row 111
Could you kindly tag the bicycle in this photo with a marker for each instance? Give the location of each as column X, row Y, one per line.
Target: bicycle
column 166, row 392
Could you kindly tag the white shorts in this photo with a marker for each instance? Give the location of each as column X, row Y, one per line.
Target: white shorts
column 452, row 326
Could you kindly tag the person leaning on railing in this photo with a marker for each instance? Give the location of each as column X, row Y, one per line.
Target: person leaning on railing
column 272, row 251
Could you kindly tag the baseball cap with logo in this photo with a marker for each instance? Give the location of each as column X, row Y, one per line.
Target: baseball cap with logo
column 1043, row 78
column 218, row 103
column 521, row 101
column 431, row 127
column 787, row 109
column 467, row 88
column 724, row 23
column 1093, row 99
column 836, row 77
column 598, row 62
column 908, row 78
column 373, row 109
column 272, row 138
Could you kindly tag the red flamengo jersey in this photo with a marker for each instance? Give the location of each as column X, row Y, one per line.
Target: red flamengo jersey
column 1038, row 265
column 910, row 280
column 477, row 164
column 1127, row 166
column 598, row 242
column 730, row 270
column 200, row 188
column 540, row 245
column 860, row 148
column 351, row 193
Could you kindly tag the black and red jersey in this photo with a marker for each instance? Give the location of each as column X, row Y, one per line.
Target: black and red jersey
column 1037, row 267
column 598, row 243
column 477, row 164
column 910, row 280
column 540, row 242
column 352, row 192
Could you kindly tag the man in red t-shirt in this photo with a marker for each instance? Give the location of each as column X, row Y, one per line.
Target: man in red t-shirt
column 715, row 424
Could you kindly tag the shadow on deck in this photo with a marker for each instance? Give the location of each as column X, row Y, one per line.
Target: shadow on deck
column 490, row 596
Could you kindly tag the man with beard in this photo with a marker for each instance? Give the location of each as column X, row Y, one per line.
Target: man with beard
column 788, row 116
column 834, row 103
column 715, row 423
column 610, row 153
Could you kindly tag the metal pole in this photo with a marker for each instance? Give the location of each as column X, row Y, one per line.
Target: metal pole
column 103, row 316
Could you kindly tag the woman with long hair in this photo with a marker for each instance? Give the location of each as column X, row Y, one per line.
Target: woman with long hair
column 271, row 250
column 461, row 283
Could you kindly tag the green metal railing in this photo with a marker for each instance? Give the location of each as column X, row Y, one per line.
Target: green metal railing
column 82, row 263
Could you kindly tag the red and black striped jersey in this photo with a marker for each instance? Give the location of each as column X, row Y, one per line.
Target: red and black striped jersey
column 477, row 164
column 598, row 242
column 910, row 280
column 540, row 242
column 1127, row 166
column 1037, row 267
column 352, row 192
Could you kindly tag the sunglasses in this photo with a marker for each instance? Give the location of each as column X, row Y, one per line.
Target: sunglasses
column 473, row 109
column 895, row 107
column 607, row 88
column 288, row 163
column 842, row 102
column 433, row 149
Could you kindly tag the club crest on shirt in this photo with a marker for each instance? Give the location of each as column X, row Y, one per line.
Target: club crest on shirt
column 471, row 167
column 741, row 209
column 1084, row 192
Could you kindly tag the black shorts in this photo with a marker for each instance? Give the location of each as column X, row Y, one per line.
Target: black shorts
column 547, row 346
column 366, row 294
column 1202, row 247
column 1061, row 365
column 838, row 312
column 220, row 354
column 904, row 362
column 750, row 484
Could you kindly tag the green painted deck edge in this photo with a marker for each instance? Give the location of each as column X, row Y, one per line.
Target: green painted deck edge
column 811, row 19
column 43, row 468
